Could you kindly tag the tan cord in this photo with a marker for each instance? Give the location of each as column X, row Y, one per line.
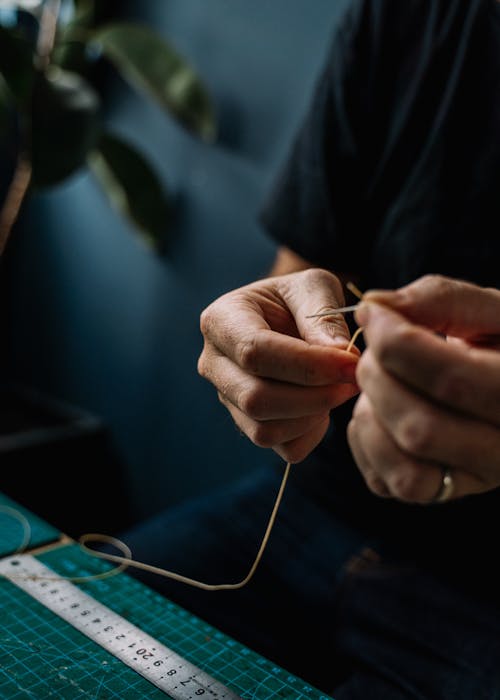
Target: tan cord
column 23, row 521
column 352, row 288
column 126, row 560
column 353, row 339
column 189, row 581
column 357, row 293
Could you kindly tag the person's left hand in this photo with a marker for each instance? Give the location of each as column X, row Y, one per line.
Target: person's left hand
column 430, row 381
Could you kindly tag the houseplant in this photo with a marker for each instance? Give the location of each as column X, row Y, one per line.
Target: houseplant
column 52, row 56
column 50, row 106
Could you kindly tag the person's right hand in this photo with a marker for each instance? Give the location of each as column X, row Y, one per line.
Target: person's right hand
column 278, row 372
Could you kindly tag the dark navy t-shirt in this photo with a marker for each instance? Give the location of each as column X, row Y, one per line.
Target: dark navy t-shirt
column 396, row 173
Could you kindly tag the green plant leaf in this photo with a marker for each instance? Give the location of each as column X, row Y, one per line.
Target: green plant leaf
column 70, row 48
column 150, row 64
column 84, row 14
column 65, row 125
column 132, row 187
column 16, row 64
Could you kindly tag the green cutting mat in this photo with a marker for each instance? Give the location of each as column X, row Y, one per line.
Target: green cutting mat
column 44, row 657
column 11, row 530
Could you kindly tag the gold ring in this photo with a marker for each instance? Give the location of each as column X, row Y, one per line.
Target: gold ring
column 446, row 487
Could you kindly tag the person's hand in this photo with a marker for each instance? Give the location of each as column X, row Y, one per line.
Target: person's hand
column 278, row 372
column 430, row 382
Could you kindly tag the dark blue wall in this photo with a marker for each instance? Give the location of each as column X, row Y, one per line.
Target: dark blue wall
column 97, row 318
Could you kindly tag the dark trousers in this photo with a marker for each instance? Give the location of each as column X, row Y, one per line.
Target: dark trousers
column 325, row 603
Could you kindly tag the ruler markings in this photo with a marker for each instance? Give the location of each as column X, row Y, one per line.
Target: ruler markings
column 69, row 666
column 159, row 664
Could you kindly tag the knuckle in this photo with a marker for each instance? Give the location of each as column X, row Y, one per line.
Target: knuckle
column 362, row 408
column 376, row 485
column 206, row 320
column 295, row 453
column 262, row 435
column 202, row 366
column 364, row 368
column 351, row 431
column 437, row 284
column 408, row 484
column 434, row 282
column 298, row 449
column 253, row 401
column 389, row 345
column 415, row 432
column 432, row 285
column 318, row 276
column 248, row 355
column 353, row 440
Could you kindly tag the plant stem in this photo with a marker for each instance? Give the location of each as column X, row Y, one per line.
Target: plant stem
column 21, row 179
column 47, row 32
column 14, row 199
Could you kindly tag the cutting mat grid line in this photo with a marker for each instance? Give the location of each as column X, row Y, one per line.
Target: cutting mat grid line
column 223, row 658
column 39, row 648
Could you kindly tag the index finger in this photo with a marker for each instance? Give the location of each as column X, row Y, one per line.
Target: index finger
column 465, row 379
column 273, row 355
column 446, row 305
column 247, row 340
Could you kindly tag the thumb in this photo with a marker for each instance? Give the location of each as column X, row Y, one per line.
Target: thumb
column 314, row 292
column 449, row 306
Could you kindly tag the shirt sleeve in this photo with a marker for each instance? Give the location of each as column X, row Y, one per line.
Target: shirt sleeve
column 377, row 100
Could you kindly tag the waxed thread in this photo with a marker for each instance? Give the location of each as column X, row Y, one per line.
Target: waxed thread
column 185, row 579
column 357, row 293
column 354, row 338
column 126, row 560
column 23, row 521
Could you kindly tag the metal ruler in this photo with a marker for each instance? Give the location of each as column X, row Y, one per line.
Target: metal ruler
column 168, row 671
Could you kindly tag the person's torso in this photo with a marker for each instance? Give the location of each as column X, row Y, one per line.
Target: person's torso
column 433, row 207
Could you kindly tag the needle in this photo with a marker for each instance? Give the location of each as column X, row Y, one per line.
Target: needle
column 341, row 310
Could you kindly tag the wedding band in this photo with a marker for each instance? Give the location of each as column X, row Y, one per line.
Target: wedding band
column 446, row 487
